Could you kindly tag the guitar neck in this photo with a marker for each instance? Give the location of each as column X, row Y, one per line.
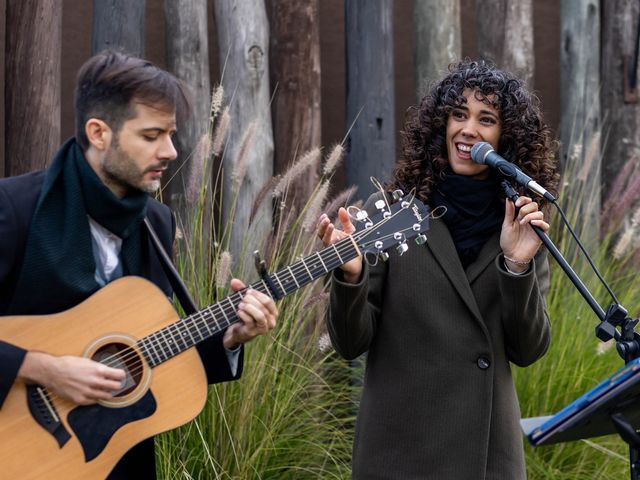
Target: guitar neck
column 174, row 339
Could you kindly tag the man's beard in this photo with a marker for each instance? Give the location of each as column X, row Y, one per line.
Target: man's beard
column 121, row 170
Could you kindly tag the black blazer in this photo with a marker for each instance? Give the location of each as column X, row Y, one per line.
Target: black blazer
column 18, row 199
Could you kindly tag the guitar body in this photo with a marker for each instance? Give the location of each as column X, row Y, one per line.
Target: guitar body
column 96, row 437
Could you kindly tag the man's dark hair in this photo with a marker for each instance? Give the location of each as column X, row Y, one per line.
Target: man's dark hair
column 110, row 83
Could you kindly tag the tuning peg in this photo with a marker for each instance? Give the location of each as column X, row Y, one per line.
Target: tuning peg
column 402, row 248
column 421, row 239
column 362, row 215
column 397, row 194
column 384, row 256
column 382, row 206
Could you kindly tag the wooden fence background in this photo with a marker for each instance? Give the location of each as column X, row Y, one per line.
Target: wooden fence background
column 75, row 47
column 580, row 56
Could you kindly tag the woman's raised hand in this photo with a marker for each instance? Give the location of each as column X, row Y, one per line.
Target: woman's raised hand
column 518, row 241
column 329, row 234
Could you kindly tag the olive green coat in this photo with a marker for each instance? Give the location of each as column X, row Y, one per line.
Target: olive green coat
column 438, row 400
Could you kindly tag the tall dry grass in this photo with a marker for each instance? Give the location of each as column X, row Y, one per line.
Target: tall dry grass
column 290, row 415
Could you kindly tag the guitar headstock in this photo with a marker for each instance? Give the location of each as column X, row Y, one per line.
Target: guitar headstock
column 392, row 225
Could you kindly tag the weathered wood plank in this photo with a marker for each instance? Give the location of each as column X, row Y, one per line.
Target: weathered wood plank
column 32, row 83
column 505, row 35
column 580, row 110
column 295, row 78
column 243, row 42
column 622, row 118
column 118, row 24
column 437, row 39
column 370, row 93
column 188, row 59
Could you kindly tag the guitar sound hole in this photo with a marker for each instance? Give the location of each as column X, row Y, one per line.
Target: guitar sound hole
column 119, row 355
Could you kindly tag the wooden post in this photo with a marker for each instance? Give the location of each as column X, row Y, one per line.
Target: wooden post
column 243, row 39
column 188, row 59
column 505, row 35
column 622, row 117
column 437, row 40
column 32, row 90
column 370, row 93
column 295, row 78
column 118, row 24
column 580, row 129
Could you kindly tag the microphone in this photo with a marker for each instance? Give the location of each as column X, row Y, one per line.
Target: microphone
column 484, row 154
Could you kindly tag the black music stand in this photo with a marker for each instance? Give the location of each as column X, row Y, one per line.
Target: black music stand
column 611, row 407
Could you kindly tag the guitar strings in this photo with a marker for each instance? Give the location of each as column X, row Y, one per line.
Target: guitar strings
column 233, row 299
column 154, row 340
column 192, row 323
column 163, row 343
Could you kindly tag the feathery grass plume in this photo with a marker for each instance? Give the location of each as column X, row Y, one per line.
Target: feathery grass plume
column 324, row 343
column 223, row 271
column 593, row 151
column 307, row 160
column 604, row 347
column 317, row 298
column 315, row 208
column 616, row 191
column 333, row 159
column 284, row 227
column 576, row 153
column 627, row 242
column 331, row 209
column 240, row 163
column 221, row 131
column 623, row 243
column 266, row 188
column 216, row 102
column 626, row 201
column 196, row 172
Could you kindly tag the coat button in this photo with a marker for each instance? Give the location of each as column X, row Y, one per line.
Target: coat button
column 483, row 363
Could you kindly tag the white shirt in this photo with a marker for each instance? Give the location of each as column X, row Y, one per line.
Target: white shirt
column 106, row 251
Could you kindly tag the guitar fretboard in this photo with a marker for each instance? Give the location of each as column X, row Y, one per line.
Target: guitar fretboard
column 179, row 336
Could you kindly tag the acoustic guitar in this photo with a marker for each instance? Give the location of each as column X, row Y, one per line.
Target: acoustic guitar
column 130, row 324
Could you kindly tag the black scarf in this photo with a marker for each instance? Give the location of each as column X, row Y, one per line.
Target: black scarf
column 58, row 269
column 474, row 211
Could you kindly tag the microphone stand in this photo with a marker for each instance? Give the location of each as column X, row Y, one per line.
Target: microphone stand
column 627, row 340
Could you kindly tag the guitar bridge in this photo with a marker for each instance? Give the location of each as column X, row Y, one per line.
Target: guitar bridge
column 44, row 413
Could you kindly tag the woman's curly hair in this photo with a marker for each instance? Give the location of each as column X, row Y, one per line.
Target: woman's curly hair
column 524, row 139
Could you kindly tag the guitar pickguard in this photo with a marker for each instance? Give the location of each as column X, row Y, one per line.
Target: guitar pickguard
column 94, row 425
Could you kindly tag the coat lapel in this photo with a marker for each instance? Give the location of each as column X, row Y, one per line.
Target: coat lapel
column 445, row 254
column 487, row 255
